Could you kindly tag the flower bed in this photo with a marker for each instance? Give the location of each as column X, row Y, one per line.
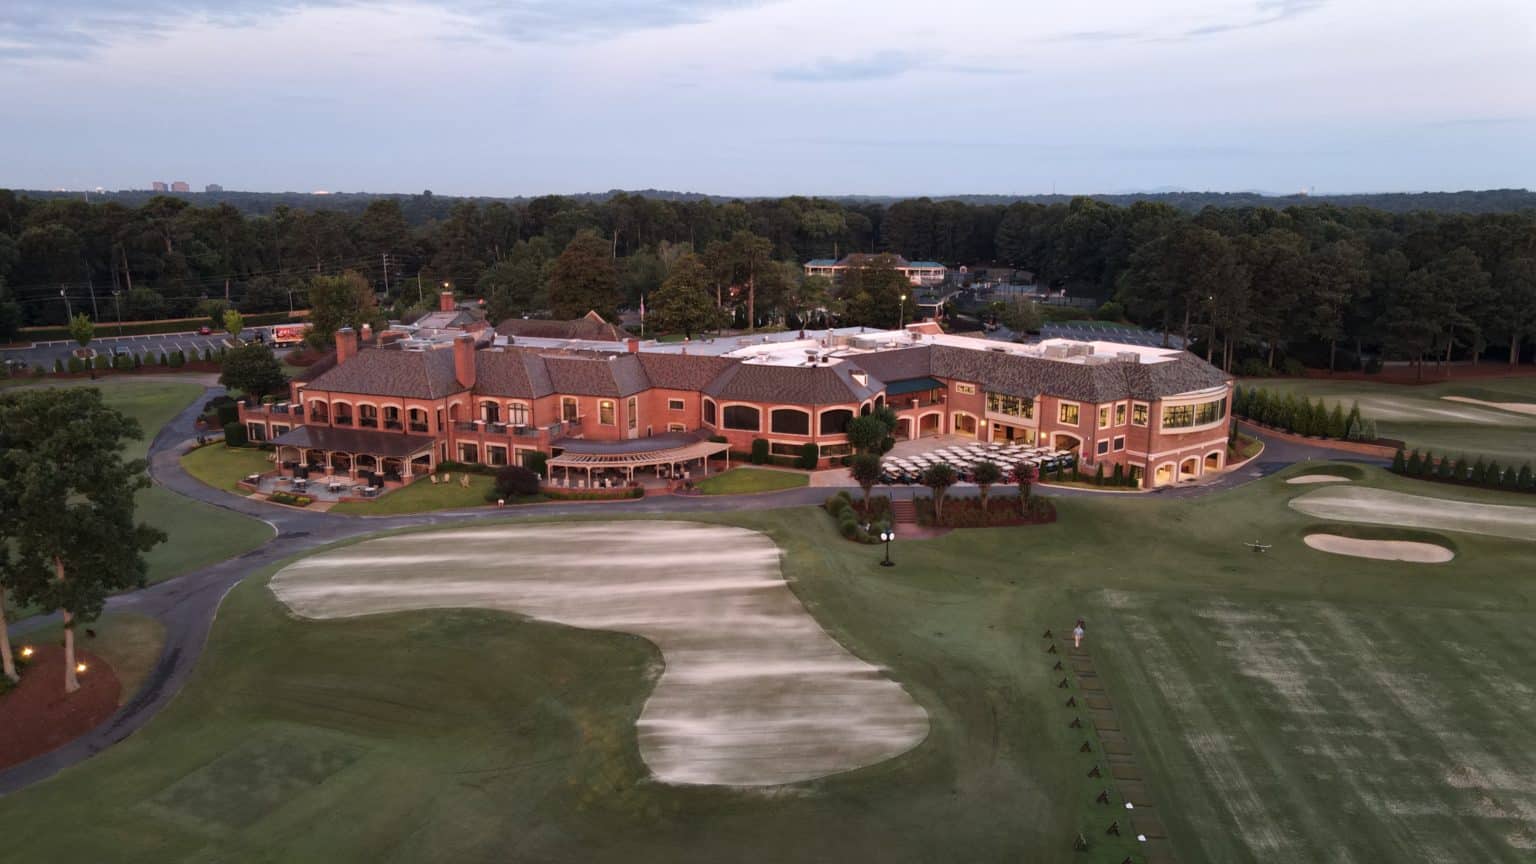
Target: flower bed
column 290, row 499
column 968, row 512
column 556, row 493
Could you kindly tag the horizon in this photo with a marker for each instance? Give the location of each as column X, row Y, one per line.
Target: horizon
column 764, row 99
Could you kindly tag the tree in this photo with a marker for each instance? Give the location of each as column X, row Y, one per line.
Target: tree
column 985, row 474
column 584, row 279
column 234, row 324
column 81, row 329
column 871, row 294
column 683, row 303
column 72, row 504
column 10, row 315
column 340, row 301
column 214, row 311
column 1515, row 289
column 1019, row 315
column 867, row 434
column 515, row 481
column 8, row 578
column 1417, row 319
column 519, row 283
column 939, row 478
column 254, row 370
column 866, row 470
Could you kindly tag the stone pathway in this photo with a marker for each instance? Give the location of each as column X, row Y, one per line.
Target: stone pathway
column 1090, row 708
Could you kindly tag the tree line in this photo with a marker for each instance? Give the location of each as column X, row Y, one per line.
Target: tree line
column 1250, row 287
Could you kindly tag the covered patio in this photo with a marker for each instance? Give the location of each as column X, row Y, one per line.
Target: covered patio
column 598, row 464
column 377, row 457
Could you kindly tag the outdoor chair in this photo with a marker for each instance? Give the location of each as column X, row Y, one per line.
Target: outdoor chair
column 434, row 479
column 464, row 480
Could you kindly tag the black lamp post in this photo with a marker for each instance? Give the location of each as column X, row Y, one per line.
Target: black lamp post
column 888, row 535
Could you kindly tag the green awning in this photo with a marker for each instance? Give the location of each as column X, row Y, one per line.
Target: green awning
column 913, row 385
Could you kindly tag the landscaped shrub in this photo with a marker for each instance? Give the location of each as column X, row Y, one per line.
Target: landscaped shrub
column 1399, row 462
column 810, row 454
column 228, row 413
column 1293, row 367
column 718, row 439
column 1098, row 475
column 1119, row 476
column 101, row 361
column 515, row 481
column 537, row 461
column 290, row 499
column 234, row 435
column 76, row 365
column 122, row 362
column 968, row 512
column 1253, row 367
column 178, row 360
column 58, row 364
column 848, row 524
column 759, row 451
column 467, row 467
column 164, row 360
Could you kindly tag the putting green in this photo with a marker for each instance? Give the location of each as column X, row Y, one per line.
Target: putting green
column 1384, row 507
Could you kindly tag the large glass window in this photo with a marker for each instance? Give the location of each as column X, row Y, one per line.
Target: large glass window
column 1139, row 413
column 1067, row 414
column 1187, row 416
column 1104, row 417
column 392, row 417
column 517, row 414
column 568, row 410
column 605, row 412
column 789, row 421
column 743, row 417
column 633, row 409
column 418, row 420
column 835, row 422
column 1013, row 406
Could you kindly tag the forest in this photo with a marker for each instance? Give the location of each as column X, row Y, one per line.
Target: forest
column 1251, row 286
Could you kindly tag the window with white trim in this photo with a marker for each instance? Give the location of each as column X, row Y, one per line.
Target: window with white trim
column 965, row 389
column 1104, row 417
column 741, row 417
column 1119, row 443
column 633, row 409
column 517, row 414
column 1139, row 413
column 1068, row 413
column 1103, row 446
column 569, row 410
column 605, row 412
column 676, row 427
column 1119, row 413
column 675, row 405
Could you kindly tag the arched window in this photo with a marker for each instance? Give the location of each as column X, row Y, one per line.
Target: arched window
column 318, row 410
column 709, row 411
column 517, row 413
column 392, row 417
column 490, row 412
column 790, row 421
column 341, row 414
column 864, row 410
column 835, row 422
column 742, row 417
column 417, row 418
column 879, row 401
column 368, row 416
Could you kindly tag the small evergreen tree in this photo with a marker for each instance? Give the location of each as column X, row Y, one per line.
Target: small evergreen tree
column 1479, row 472
column 1399, row 462
column 1415, row 464
column 1525, row 480
column 1338, row 424
column 1443, row 470
column 1119, row 476
column 1493, row 473
column 1427, row 467
column 1354, row 413
column 1098, row 475
column 1511, row 479
column 1319, row 419
column 1459, row 472
column 1353, row 433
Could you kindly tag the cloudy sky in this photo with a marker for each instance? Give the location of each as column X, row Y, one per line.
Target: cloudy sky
column 762, row 98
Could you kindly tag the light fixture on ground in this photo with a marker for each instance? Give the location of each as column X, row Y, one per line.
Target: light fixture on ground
column 80, row 668
column 887, row 535
column 26, row 650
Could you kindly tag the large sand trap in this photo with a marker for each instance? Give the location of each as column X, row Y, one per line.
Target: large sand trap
column 1381, row 550
column 1381, row 507
column 754, row 692
column 1516, row 407
column 1308, row 479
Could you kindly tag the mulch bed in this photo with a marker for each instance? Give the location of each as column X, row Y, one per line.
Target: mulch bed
column 37, row 716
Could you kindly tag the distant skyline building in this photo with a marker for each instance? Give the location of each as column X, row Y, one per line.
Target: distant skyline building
column 159, row 186
column 180, row 186
column 213, row 187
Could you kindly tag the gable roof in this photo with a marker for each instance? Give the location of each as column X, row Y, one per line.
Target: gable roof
column 590, row 327
column 392, row 372
column 806, row 385
column 683, row 371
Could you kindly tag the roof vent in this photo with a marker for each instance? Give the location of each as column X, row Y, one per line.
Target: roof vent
column 860, row 377
column 1128, row 356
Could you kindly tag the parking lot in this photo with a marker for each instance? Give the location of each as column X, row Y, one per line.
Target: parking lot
column 192, row 343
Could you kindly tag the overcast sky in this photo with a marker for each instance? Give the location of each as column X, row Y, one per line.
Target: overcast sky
column 889, row 97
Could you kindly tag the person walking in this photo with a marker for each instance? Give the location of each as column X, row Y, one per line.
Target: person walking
column 1077, row 634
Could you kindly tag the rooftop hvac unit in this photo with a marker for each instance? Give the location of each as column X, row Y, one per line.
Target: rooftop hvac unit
column 1128, row 357
column 1056, row 352
column 1096, row 359
column 866, row 343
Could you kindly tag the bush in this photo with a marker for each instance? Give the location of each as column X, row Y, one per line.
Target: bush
column 101, row 361
column 759, row 451
column 58, row 364
column 1293, row 368
column 1110, row 311
column 810, row 455
column 848, row 524
column 234, row 435
column 1253, row 367
column 228, row 413
column 1098, row 475
column 467, row 467
column 178, row 359
column 290, row 499
column 515, row 481
column 122, row 362
column 719, row 439
column 537, row 461
column 164, row 359
column 76, row 364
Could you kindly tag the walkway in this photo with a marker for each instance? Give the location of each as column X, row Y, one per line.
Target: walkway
column 187, row 604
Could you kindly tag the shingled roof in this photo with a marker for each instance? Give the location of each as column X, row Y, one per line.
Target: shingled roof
column 590, row 327
column 804, row 385
column 683, row 371
column 1014, row 375
column 511, row 373
column 392, row 372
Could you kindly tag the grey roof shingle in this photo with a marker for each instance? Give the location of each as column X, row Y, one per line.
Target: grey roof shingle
column 392, row 372
column 683, row 371
column 804, row 385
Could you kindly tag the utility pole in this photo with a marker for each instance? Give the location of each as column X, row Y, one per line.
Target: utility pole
column 69, row 312
column 91, row 284
column 226, row 290
column 386, row 273
column 421, row 296
column 119, row 309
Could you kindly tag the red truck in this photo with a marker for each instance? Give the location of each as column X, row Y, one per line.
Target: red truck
column 288, row 334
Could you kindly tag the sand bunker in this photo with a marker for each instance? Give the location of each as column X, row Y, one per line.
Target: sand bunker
column 1381, row 550
column 1307, row 479
column 1381, row 507
column 1515, row 407
column 754, row 692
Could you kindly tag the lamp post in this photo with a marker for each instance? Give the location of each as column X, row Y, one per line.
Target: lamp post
column 116, row 306
column 888, row 535
column 901, row 318
column 69, row 312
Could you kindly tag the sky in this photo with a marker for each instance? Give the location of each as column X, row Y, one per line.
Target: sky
column 734, row 97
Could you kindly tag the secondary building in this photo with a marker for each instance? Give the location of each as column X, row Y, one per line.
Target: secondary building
column 1160, row 413
column 917, row 272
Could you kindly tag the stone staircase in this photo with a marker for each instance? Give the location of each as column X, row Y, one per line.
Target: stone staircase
column 903, row 512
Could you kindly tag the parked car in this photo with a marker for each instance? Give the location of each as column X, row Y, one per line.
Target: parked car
column 205, row 330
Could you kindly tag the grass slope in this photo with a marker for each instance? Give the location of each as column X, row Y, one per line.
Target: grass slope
column 740, row 480
column 1419, row 415
column 421, row 497
column 224, row 467
column 1286, row 706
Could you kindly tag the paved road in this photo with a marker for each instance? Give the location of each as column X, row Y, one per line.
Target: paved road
column 44, row 353
column 187, row 605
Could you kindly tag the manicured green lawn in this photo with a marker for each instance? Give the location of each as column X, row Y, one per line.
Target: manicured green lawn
column 1420, row 415
column 739, row 480
column 224, row 467
column 1287, row 706
column 421, row 497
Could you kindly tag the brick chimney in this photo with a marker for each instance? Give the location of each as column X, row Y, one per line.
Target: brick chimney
column 367, row 334
column 445, row 301
column 634, row 346
column 346, row 345
column 464, row 360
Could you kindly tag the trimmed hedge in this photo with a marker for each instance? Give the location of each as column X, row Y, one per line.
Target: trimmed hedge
column 1487, row 474
column 968, row 513
column 154, row 328
column 1302, row 416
